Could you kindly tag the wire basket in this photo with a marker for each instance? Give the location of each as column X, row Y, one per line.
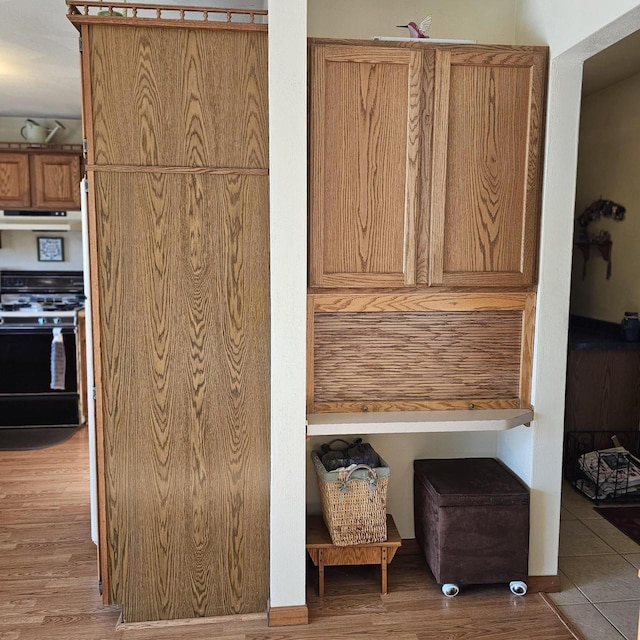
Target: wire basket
column 604, row 465
column 354, row 503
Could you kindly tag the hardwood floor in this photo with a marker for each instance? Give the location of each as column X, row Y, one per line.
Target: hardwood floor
column 48, row 579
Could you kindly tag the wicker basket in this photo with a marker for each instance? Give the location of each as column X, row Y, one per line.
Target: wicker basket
column 354, row 504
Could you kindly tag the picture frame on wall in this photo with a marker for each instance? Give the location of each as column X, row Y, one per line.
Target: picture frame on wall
column 50, row 249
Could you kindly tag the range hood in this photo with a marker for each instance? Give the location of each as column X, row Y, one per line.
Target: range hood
column 16, row 220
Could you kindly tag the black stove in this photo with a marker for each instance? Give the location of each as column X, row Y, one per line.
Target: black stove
column 38, row 318
column 40, row 298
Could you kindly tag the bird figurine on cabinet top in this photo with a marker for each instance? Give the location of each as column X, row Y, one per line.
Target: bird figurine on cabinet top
column 418, row 31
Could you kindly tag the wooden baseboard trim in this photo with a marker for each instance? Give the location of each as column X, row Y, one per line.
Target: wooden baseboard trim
column 571, row 628
column 288, row 616
column 187, row 622
column 543, row 584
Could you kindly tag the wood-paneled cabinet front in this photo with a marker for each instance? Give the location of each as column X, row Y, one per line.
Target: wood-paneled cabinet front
column 14, row 180
column 364, row 165
column 486, row 171
column 425, row 165
column 369, row 352
column 182, row 401
column 55, row 181
column 39, row 181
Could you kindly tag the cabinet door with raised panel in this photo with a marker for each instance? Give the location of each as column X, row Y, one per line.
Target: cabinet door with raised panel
column 365, row 140
column 55, row 181
column 14, row 180
column 487, row 162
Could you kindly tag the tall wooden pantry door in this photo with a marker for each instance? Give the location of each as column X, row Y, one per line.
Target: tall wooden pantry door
column 176, row 120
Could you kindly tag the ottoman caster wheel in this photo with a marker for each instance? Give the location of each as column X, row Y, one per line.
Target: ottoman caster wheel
column 518, row 587
column 451, row 590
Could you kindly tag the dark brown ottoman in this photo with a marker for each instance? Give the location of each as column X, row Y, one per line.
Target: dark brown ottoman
column 472, row 522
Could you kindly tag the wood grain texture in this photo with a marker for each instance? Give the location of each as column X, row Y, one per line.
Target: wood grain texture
column 55, row 181
column 427, row 166
column 364, row 166
column 393, row 356
column 489, row 301
column 84, row 44
column 162, row 15
column 117, row 21
column 14, row 180
column 185, row 379
column 324, row 553
column 430, row 301
column 543, row 584
column 439, row 166
column 526, row 353
column 174, row 625
column 412, row 405
column 486, row 161
column 480, row 53
column 309, row 353
column 603, row 391
column 486, row 198
column 218, row 171
column 217, row 113
column 288, row 616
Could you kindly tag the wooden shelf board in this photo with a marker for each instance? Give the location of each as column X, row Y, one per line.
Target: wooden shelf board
column 327, row 424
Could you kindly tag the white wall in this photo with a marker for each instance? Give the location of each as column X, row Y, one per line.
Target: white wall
column 562, row 25
column 19, row 251
column 575, row 29
column 608, row 160
column 399, row 451
column 490, row 21
column 288, row 230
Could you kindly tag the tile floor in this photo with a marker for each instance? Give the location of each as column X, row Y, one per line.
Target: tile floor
column 598, row 571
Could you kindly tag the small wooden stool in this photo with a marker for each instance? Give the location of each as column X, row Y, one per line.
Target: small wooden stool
column 325, row 554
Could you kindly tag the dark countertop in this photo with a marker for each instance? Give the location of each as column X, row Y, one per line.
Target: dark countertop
column 597, row 335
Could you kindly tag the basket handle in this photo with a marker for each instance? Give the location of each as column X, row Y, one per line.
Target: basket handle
column 372, row 478
column 327, row 447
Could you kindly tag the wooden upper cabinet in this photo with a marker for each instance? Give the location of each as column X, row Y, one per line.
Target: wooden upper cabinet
column 487, row 162
column 14, row 181
column 364, row 165
column 217, row 115
column 44, row 181
column 55, row 181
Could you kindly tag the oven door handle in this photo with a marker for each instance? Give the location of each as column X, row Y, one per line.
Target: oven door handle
column 8, row 330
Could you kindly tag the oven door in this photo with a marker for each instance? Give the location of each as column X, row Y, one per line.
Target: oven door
column 26, row 398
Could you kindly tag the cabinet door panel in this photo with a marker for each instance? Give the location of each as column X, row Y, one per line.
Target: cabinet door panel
column 487, row 161
column 417, row 351
column 364, row 166
column 55, row 181
column 183, row 404
column 14, row 180
column 178, row 97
